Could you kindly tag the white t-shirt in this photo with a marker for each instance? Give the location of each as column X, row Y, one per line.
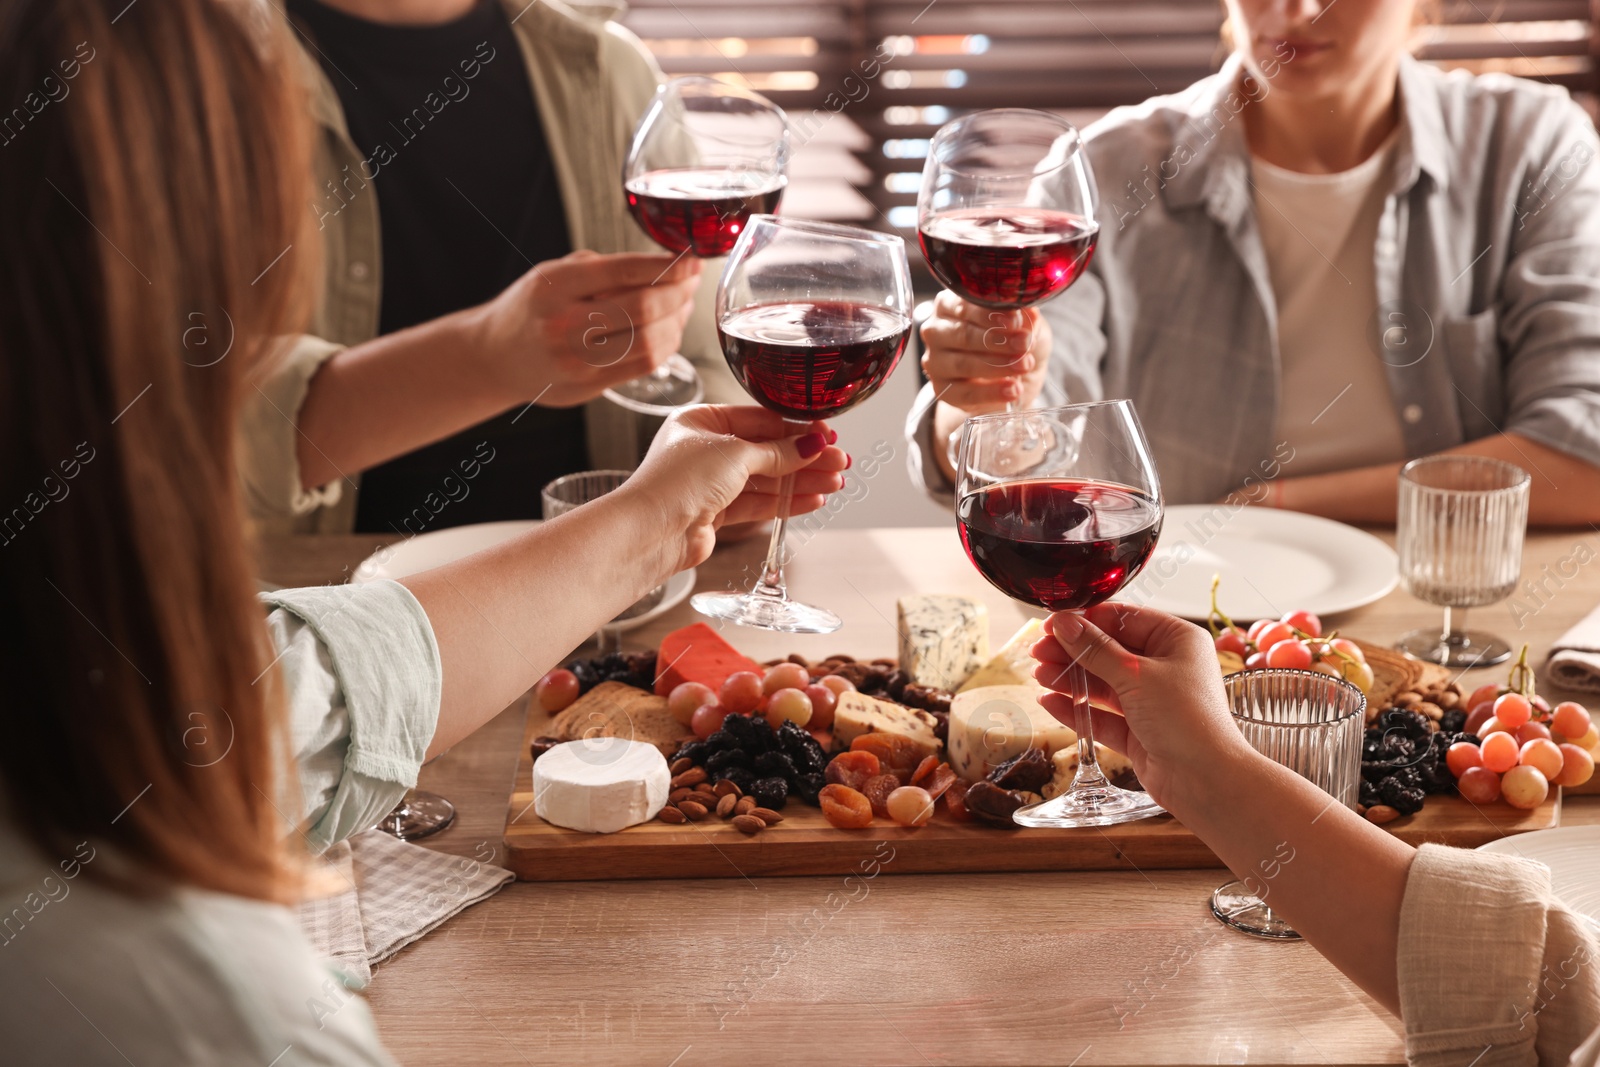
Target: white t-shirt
column 1319, row 233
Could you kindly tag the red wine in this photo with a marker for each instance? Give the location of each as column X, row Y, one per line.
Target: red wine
column 1060, row 545
column 810, row 360
column 699, row 211
column 1007, row 259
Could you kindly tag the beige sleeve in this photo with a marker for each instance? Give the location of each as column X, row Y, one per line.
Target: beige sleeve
column 269, row 438
column 1493, row 969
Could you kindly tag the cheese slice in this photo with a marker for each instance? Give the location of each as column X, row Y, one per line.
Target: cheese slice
column 1066, row 762
column 601, row 784
column 991, row 724
column 943, row 639
column 1013, row 664
column 857, row 714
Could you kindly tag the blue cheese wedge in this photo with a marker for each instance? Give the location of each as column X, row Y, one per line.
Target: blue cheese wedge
column 857, row 714
column 943, row 639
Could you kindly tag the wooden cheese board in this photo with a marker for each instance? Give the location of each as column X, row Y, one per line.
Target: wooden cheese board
column 805, row 844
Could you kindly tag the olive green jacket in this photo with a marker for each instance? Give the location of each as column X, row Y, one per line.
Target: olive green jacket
column 592, row 80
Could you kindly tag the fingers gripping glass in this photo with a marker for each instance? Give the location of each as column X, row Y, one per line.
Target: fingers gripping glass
column 813, row 319
column 1060, row 508
column 706, row 156
column 1006, row 213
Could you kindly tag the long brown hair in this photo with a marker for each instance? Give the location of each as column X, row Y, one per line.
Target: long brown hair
column 153, row 191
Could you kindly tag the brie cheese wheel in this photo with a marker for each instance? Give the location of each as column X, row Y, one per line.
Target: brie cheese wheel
column 943, row 639
column 991, row 724
column 601, row 784
column 1013, row 664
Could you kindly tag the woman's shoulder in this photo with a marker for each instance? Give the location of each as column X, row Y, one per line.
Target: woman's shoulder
column 179, row 978
column 1515, row 114
column 1150, row 129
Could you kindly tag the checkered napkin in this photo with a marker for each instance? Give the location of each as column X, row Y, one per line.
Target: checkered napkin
column 1574, row 661
column 384, row 894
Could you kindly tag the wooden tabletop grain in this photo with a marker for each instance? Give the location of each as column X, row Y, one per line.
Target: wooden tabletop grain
column 1066, row 968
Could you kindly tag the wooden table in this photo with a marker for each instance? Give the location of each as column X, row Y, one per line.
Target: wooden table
column 1087, row 968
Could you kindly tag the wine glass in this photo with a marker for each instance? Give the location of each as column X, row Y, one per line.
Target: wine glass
column 1060, row 508
column 1459, row 533
column 569, row 493
column 706, row 156
column 1006, row 214
column 418, row 814
column 813, row 317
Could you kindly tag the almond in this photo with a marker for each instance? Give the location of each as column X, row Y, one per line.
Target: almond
column 678, row 766
column 1381, row 813
column 727, row 787
column 693, row 811
column 672, row 815
column 725, row 805
column 748, row 824
column 1408, row 698
column 678, row 795
column 691, row 777
column 766, row 815
column 744, row 806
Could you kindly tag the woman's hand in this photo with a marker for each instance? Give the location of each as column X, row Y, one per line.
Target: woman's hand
column 712, row 465
column 1158, row 675
column 979, row 359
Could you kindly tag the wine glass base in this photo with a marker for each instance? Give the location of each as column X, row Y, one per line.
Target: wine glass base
column 1105, row 805
column 766, row 612
column 1463, row 648
column 1235, row 906
column 674, row 385
column 419, row 815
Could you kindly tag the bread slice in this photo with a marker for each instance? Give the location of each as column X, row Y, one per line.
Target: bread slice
column 612, row 709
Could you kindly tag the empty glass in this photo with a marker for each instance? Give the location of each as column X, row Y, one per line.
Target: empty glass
column 1313, row 724
column 1459, row 535
column 572, row 491
column 421, row 813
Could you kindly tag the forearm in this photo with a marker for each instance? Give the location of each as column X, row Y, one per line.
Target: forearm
column 1565, row 490
column 394, row 394
column 1336, row 878
column 504, row 617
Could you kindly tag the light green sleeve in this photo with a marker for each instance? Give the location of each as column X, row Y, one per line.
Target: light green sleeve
column 362, row 678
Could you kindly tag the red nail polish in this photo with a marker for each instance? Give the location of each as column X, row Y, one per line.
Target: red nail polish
column 848, row 460
column 811, row 444
column 833, row 437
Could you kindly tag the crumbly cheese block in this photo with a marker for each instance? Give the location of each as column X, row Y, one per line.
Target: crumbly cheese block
column 601, row 784
column 1066, row 761
column 1013, row 664
column 857, row 714
column 943, row 639
column 991, row 724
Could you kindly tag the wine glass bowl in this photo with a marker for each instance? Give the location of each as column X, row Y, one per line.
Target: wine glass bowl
column 813, row 318
column 1006, row 212
column 706, row 156
column 1060, row 508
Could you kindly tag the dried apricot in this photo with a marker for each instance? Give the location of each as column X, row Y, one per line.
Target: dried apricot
column 844, row 807
column 955, row 801
column 852, row 769
column 924, row 769
column 942, row 778
column 877, row 791
column 899, row 753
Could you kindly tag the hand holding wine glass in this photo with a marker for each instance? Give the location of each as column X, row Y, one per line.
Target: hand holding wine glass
column 813, row 318
column 706, row 156
column 1060, row 508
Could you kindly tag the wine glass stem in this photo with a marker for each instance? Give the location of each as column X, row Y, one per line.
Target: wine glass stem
column 771, row 583
column 1089, row 775
column 1449, row 625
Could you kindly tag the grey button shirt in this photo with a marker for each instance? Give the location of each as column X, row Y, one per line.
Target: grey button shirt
column 1487, row 266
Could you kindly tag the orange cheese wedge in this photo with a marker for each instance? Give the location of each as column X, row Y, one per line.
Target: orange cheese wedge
column 698, row 654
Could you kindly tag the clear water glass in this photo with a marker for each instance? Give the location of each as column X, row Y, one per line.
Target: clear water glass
column 1313, row 724
column 1459, row 535
column 572, row 491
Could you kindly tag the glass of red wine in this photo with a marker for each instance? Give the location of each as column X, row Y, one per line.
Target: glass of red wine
column 1006, row 214
column 1060, row 508
column 706, row 156
column 813, row 317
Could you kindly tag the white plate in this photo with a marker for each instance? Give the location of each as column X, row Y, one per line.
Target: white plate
column 1573, row 855
column 426, row 551
column 1271, row 562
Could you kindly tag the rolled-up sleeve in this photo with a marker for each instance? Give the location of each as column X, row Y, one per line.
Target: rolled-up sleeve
column 362, row 679
column 269, row 435
column 1493, row 969
column 1550, row 298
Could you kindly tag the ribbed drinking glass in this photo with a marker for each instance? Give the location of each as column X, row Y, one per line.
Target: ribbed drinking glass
column 1459, row 535
column 1313, row 724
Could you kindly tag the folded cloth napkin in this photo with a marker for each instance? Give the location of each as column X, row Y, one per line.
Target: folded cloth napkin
column 1574, row 661
column 387, row 894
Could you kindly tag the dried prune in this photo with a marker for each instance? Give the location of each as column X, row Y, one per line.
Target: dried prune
column 728, row 757
column 1453, row 721
column 587, row 676
column 895, row 683
column 925, row 697
column 801, row 747
column 1401, row 795
column 992, row 804
column 770, row 763
column 1028, row 771
column 770, row 792
column 641, row 662
column 743, row 777
column 541, row 745
column 807, row 786
column 694, row 751
column 857, row 674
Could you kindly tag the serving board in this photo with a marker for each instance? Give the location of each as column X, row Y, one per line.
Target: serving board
column 806, row 844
